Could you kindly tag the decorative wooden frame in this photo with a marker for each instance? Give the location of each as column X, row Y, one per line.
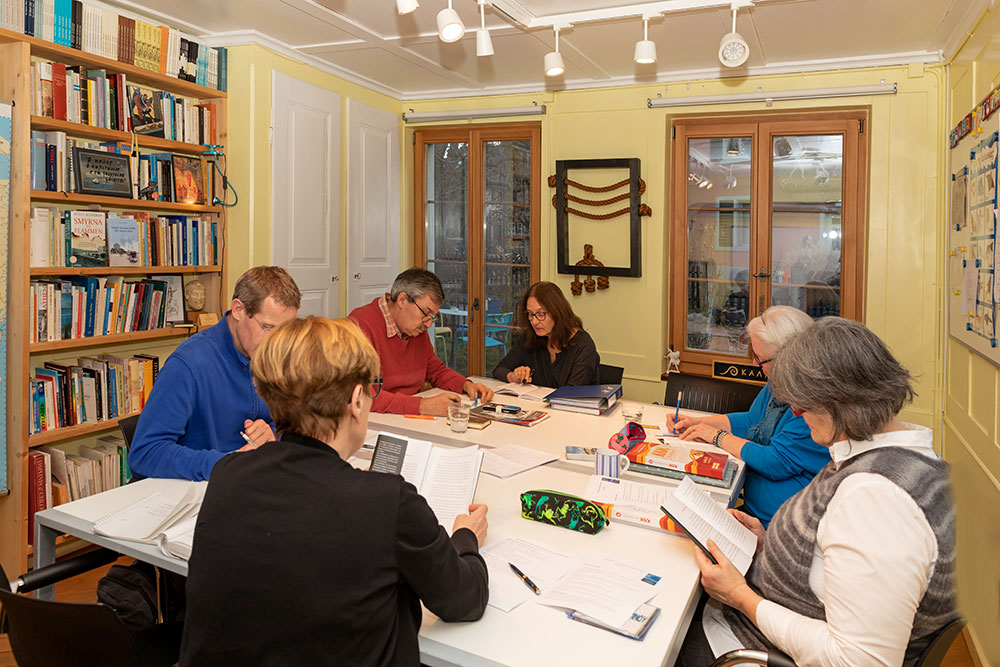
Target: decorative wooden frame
column 634, row 269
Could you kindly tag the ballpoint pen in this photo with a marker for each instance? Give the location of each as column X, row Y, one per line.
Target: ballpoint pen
column 523, row 577
column 249, row 441
column 677, row 410
column 475, row 401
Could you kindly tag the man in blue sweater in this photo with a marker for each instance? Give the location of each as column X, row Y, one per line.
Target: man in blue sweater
column 204, row 395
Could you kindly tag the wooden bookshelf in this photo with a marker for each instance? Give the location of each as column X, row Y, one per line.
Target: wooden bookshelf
column 65, row 433
column 16, row 54
column 46, row 271
column 100, row 341
column 104, row 134
column 121, row 202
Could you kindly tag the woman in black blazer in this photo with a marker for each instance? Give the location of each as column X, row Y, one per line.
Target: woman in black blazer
column 301, row 559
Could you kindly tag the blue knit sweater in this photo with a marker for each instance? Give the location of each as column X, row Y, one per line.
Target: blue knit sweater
column 780, row 469
column 196, row 410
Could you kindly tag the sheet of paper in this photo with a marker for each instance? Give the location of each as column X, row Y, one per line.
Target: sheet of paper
column 970, row 287
column 626, row 492
column 370, row 438
column 449, row 482
column 145, row 519
column 509, row 460
column 415, row 462
column 607, row 590
column 178, row 540
column 542, row 565
column 705, row 518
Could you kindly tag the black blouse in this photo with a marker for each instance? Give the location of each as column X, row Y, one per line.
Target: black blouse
column 575, row 365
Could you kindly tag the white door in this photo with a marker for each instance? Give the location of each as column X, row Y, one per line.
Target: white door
column 372, row 202
column 305, row 191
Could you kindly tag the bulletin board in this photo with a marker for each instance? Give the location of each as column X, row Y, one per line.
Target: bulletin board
column 972, row 262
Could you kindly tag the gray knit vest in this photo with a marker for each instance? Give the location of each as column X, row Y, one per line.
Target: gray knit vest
column 780, row 572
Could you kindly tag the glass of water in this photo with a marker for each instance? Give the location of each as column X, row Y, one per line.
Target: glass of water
column 632, row 412
column 458, row 415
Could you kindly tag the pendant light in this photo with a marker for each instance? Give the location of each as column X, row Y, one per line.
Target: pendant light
column 554, row 61
column 450, row 26
column 645, row 50
column 733, row 49
column 484, row 45
column 406, row 6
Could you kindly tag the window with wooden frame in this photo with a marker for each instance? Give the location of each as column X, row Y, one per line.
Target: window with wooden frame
column 477, row 193
column 766, row 210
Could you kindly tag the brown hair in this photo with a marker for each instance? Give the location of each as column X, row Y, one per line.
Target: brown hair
column 261, row 282
column 306, row 371
column 551, row 298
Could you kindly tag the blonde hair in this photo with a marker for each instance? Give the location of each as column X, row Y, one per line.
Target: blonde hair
column 306, row 371
column 778, row 324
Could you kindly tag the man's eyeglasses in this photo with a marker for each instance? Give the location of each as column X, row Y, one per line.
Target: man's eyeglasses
column 264, row 328
column 538, row 317
column 428, row 317
column 758, row 359
column 375, row 388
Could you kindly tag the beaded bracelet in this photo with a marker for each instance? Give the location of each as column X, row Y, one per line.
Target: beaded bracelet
column 718, row 437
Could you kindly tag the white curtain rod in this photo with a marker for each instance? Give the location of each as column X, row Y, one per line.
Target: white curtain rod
column 762, row 96
column 468, row 114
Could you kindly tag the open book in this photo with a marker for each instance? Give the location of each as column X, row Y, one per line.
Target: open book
column 154, row 519
column 524, row 390
column 701, row 519
column 446, row 478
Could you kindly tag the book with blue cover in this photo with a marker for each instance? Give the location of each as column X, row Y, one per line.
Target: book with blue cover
column 591, row 393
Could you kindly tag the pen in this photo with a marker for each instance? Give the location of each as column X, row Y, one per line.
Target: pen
column 249, row 441
column 427, row 417
column 523, row 577
column 475, row 401
column 677, row 411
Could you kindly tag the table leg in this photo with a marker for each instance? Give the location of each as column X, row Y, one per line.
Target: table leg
column 45, row 554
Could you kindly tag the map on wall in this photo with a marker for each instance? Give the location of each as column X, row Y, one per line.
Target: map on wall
column 5, row 133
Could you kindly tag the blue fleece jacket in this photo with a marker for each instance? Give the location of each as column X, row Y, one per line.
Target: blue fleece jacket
column 780, row 469
column 196, row 410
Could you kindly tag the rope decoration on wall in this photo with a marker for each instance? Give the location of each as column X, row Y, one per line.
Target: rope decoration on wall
column 576, row 287
column 644, row 210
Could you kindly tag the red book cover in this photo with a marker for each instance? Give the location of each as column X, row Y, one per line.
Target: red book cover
column 681, row 456
column 130, row 41
column 59, row 91
column 122, row 43
column 36, row 490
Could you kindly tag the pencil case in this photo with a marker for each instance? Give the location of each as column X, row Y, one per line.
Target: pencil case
column 561, row 509
column 630, row 436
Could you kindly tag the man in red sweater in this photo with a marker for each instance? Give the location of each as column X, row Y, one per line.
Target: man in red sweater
column 396, row 324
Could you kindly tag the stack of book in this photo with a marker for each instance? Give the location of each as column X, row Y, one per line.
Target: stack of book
column 677, row 459
column 93, row 390
column 587, row 399
column 513, row 414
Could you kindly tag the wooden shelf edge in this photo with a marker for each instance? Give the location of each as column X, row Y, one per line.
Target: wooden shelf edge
column 121, row 202
column 97, row 341
column 42, row 48
column 67, row 432
column 106, row 134
column 43, row 271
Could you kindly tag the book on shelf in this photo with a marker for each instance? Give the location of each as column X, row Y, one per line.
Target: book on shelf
column 680, row 456
column 446, row 478
column 39, row 487
column 586, row 399
column 519, row 417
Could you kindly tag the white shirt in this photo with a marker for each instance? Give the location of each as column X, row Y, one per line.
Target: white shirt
column 874, row 556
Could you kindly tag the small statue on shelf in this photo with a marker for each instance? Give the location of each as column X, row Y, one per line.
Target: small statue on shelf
column 602, row 282
column 673, row 361
column 195, row 295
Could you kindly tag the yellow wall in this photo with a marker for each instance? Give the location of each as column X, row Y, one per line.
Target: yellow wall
column 250, row 78
column 971, row 441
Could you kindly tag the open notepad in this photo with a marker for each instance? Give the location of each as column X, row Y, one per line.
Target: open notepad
column 702, row 518
column 446, row 478
column 157, row 519
column 524, row 390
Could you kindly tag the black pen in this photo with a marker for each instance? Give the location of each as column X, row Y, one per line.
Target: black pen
column 523, row 577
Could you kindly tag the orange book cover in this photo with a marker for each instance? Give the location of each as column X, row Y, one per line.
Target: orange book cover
column 681, row 457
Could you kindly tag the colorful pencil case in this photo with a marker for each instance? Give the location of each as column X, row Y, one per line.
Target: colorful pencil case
column 630, row 436
column 560, row 509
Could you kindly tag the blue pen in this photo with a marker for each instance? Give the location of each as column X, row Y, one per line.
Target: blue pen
column 475, row 401
column 677, row 411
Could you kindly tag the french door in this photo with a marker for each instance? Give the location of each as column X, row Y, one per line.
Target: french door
column 476, row 226
column 766, row 210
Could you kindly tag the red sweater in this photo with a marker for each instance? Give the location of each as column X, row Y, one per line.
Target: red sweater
column 406, row 364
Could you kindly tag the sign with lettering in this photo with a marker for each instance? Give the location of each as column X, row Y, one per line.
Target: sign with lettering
column 729, row 370
column 100, row 173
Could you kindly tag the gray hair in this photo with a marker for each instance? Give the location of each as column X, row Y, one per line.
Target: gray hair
column 776, row 325
column 415, row 283
column 840, row 367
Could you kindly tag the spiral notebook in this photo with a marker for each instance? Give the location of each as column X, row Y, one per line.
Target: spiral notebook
column 146, row 519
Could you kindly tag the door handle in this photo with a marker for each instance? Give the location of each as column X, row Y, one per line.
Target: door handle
column 475, row 307
column 763, row 274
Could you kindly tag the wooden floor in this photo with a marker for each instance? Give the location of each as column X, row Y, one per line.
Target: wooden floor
column 84, row 589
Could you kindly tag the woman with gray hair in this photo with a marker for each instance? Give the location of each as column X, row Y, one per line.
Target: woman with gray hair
column 858, row 568
column 779, row 454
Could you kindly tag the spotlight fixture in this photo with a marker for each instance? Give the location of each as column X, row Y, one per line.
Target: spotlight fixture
column 554, row 61
column 450, row 26
column 406, row 6
column 484, row 45
column 733, row 49
column 733, row 147
column 645, row 49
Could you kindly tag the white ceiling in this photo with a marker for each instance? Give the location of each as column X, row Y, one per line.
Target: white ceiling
column 367, row 42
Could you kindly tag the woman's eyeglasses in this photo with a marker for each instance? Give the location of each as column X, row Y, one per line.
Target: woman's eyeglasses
column 375, row 388
column 538, row 317
column 758, row 359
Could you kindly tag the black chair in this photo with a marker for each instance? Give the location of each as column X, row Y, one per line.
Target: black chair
column 709, row 394
column 609, row 374
column 127, row 425
column 43, row 632
column 932, row 656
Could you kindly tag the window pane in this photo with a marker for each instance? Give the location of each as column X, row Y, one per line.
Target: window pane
column 806, row 233
column 718, row 237
column 446, row 223
column 506, row 241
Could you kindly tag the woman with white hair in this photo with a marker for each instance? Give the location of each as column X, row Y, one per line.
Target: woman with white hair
column 779, row 453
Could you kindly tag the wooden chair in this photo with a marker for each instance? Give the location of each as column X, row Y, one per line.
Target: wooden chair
column 709, row 394
column 609, row 374
column 932, row 656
